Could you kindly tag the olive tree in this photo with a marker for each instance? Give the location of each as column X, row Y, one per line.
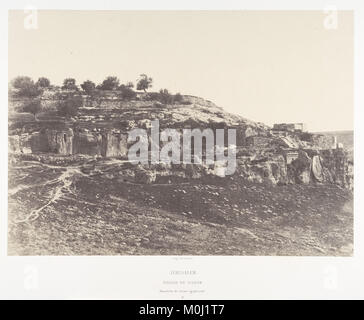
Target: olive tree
column 144, row 82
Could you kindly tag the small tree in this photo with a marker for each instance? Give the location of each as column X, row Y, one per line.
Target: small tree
column 21, row 82
column 178, row 98
column 43, row 82
column 164, row 91
column 127, row 93
column 69, row 106
column 33, row 107
column 165, row 97
column 26, row 87
column 144, row 82
column 130, row 85
column 88, row 86
column 69, row 84
column 110, row 83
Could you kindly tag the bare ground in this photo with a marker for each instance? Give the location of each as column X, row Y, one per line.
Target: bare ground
column 55, row 210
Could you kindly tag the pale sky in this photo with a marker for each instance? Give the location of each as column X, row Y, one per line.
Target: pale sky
column 268, row 66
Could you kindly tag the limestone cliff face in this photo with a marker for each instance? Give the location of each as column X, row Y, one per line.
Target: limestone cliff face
column 66, row 142
column 337, row 168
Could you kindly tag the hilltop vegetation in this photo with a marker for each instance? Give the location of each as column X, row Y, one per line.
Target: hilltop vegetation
column 70, row 93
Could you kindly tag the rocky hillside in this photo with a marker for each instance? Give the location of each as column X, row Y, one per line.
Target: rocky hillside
column 72, row 190
column 99, row 129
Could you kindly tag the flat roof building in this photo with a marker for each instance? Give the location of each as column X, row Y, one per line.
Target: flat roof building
column 290, row 127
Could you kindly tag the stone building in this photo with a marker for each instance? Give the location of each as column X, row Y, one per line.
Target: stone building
column 293, row 127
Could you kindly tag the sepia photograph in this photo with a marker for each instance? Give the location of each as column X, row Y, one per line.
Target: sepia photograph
column 180, row 133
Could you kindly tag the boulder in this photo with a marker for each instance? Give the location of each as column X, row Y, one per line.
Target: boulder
column 317, row 171
column 145, row 176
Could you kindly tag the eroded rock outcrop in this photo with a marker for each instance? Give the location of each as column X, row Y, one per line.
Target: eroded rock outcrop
column 101, row 125
column 68, row 142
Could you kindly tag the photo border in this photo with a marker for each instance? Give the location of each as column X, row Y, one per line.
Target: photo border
column 221, row 277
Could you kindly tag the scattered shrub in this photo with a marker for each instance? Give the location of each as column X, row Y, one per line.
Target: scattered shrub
column 26, row 87
column 88, row 86
column 144, row 82
column 43, row 82
column 178, row 98
column 69, row 106
column 110, row 83
column 33, row 107
column 69, row 84
column 152, row 96
column 127, row 93
column 164, row 97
